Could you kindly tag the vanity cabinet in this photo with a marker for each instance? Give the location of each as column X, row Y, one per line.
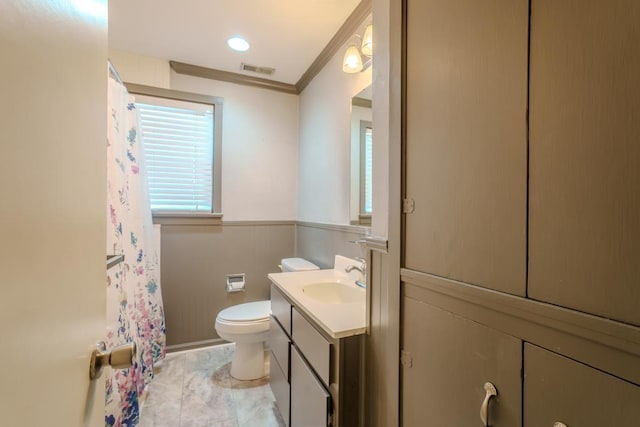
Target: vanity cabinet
column 280, row 352
column 280, row 348
column 315, row 378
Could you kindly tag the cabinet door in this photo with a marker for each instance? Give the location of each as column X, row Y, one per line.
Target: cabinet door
column 280, row 388
column 584, row 156
column 448, row 360
column 310, row 402
column 558, row 389
column 466, row 140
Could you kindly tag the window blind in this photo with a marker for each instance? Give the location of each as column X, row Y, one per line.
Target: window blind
column 368, row 171
column 178, row 140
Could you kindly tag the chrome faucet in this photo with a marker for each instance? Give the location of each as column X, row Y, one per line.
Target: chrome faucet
column 362, row 269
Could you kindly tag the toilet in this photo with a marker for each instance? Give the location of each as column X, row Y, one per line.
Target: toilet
column 248, row 326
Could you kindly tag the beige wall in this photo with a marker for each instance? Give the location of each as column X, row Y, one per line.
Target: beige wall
column 324, row 143
column 259, row 148
column 140, row 69
column 259, row 138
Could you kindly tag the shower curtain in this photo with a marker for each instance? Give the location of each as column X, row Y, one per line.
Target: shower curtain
column 134, row 303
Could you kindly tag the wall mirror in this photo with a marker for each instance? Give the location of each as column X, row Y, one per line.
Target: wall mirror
column 361, row 158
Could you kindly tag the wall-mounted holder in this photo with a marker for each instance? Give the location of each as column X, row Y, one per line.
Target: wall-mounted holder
column 114, row 260
column 236, row 282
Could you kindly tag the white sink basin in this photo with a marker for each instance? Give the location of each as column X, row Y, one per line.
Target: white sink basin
column 333, row 292
column 329, row 297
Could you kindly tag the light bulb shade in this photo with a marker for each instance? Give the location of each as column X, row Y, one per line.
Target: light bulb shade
column 367, row 41
column 238, row 44
column 352, row 62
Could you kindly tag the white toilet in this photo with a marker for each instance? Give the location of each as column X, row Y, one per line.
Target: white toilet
column 248, row 326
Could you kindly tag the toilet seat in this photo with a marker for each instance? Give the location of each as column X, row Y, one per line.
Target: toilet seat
column 248, row 318
column 248, row 312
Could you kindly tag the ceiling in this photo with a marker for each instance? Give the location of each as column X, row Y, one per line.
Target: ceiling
column 286, row 35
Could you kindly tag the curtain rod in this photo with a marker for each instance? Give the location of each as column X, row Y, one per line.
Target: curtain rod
column 114, row 73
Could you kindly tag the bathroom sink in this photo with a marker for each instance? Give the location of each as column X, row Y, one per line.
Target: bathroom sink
column 333, row 292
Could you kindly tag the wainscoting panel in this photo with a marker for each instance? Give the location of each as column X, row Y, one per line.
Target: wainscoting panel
column 320, row 243
column 195, row 260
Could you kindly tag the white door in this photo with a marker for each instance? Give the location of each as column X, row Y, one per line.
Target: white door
column 53, row 119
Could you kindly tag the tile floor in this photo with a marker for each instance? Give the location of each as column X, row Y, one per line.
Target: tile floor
column 195, row 389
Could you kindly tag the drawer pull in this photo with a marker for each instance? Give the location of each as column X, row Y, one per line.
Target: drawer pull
column 484, row 409
column 559, row 424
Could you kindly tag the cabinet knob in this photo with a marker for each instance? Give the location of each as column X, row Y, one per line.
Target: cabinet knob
column 491, row 391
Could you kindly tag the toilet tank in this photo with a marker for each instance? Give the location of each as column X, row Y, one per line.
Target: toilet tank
column 298, row 264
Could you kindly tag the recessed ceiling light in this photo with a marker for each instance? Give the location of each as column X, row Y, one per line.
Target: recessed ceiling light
column 238, row 44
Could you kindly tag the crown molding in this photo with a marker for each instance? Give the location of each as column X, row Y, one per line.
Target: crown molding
column 227, row 76
column 347, row 29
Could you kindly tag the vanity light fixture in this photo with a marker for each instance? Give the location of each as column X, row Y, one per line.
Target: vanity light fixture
column 352, row 62
column 367, row 41
column 353, row 57
column 239, row 44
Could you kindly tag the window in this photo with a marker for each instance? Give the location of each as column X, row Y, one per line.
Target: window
column 366, row 169
column 180, row 133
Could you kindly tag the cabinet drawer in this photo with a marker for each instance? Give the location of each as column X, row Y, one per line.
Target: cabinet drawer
column 558, row 389
column 279, row 345
column 316, row 349
column 281, row 309
column 310, row 402
column 281, row 389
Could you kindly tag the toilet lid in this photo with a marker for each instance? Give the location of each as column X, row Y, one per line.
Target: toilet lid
column 247, row 312
column 297, row 264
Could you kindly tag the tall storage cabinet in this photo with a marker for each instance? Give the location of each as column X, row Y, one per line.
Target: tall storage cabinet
column 521, row 229
column 585, row 156
column 466, row 144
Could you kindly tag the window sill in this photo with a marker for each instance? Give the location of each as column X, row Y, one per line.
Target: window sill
column 364, row 219
column 186, row 218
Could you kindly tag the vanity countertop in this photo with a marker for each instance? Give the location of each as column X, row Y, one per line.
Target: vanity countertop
column 339, row 319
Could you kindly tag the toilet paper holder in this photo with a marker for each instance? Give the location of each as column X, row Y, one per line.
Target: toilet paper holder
column 236, row 282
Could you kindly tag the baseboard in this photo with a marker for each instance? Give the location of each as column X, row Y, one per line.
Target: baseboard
column 195, row 344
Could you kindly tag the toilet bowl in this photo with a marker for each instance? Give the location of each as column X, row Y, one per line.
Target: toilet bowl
column 248, row 326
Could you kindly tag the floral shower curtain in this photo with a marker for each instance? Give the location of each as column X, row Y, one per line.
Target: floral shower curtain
column 134, row 303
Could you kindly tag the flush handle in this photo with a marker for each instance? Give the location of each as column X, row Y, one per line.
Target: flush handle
column 491, row 391
column 120, row 357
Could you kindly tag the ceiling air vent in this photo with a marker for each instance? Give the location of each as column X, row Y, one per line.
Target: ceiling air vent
column 257, row 69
